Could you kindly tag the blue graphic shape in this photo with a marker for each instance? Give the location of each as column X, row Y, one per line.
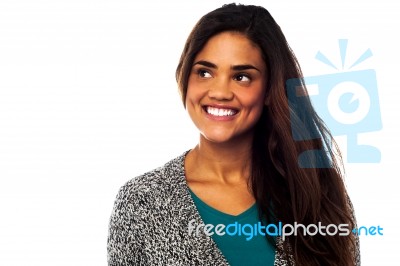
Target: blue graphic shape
column 348, row 103
column 321, row 57
column 302, row 127
column 367, row 54
column 343, row 50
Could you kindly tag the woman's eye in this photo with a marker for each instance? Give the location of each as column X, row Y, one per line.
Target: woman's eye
column 242, row 77
column 203, row 73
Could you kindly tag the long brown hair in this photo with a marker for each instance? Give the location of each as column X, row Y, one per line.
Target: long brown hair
column 284, row 190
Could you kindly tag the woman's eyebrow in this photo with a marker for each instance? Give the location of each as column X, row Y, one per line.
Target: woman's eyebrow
column 244, row 67
column 206, row 64
column 235, row 67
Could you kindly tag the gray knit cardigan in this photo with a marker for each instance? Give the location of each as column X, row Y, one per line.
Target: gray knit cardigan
column 149, row 223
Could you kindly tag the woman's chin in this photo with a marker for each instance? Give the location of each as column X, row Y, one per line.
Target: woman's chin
column 222, row 138
column 214, row 137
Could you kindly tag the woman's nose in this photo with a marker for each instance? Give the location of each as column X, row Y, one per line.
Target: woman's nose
column 220, row 90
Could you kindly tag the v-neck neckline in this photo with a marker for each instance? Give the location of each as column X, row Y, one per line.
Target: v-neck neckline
column 227, row 216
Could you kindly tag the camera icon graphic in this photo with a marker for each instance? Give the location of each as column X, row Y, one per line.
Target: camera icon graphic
column 347, row 102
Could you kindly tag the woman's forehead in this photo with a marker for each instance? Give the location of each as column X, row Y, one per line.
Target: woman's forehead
column 231, row 48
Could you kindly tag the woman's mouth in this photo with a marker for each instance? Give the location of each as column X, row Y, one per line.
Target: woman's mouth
column 220, row 111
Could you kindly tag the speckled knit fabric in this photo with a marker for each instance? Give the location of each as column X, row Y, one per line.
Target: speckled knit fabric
column 149, row 223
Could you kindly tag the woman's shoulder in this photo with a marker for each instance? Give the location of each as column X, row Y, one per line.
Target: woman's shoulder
column 154, row 185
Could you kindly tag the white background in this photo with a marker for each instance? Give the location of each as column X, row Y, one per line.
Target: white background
column 88, row 100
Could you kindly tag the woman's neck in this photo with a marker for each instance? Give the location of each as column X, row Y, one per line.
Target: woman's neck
column 224, row 163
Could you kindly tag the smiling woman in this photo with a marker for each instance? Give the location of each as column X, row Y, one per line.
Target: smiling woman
column 245, row 168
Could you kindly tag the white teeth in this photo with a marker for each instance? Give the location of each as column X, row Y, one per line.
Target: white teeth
column 220, row 112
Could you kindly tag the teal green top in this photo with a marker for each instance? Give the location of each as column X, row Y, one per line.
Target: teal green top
column 241, row 244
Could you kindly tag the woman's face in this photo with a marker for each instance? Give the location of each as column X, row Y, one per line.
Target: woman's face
column 226, row 88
